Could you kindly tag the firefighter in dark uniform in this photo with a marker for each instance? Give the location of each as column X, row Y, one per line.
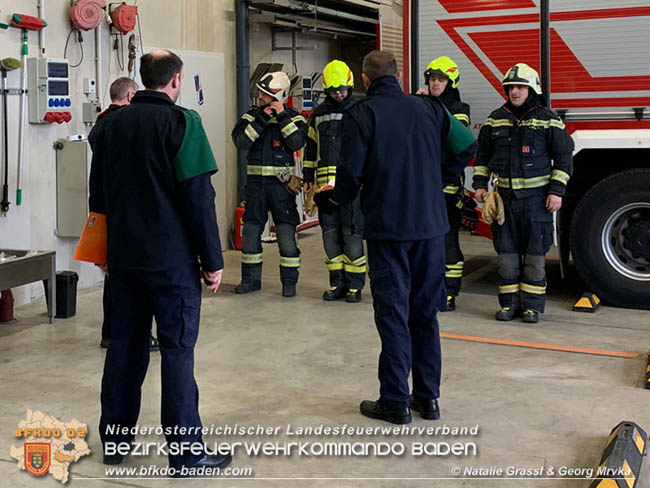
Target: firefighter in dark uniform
column 442, row 78
column 392, row 148
column 152, row 181
column 272, row 133
column 526, row 146
column 121, row 92
column 342, row 230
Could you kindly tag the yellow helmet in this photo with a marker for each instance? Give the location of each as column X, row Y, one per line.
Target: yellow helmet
column 337, row 74
column 522, row 74
column 443, row 66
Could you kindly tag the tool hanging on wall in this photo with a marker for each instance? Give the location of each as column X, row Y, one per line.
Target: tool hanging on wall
column 123, row 17
column 87, row 14
column 133, row 47
column 26, row 23
column 6, row 65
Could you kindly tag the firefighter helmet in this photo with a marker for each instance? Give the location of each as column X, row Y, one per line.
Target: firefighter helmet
column 443, row 66
column 522, row 74
column 337, row 75
column 275, row 84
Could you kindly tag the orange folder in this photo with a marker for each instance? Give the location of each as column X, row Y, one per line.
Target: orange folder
column 92, row 243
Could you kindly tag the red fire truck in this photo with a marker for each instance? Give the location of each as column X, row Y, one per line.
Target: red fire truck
column 595, row 55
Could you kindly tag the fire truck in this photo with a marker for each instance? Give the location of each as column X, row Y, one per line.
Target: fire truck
column 595, row 69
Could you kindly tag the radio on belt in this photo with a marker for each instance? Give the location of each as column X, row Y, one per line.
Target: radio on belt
column 49, row 90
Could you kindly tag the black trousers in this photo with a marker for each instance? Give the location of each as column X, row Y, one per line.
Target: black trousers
column 174, row 297
column 454, row 259
column 522, row 242
column 407, row 280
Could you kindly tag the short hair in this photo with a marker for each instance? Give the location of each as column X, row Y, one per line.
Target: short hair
column 120, row 88
column 379, row 63
column 157, row 68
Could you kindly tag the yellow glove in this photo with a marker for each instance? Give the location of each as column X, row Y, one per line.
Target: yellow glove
column 493, row 210
column 294, row 185
column 310, row 206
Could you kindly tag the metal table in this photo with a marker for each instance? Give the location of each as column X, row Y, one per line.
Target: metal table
column 22, row 267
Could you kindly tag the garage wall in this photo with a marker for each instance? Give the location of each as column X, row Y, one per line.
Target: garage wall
column 200, row 25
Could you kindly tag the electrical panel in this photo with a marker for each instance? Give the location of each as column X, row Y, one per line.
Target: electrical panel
column 49, row 90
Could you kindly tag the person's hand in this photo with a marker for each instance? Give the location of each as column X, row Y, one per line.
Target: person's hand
column 422, row 91
column 324, row 201
column 103, row 267
column 307, row 187
column 277, row 107
column 553, row 203
column 479, row 194
column 268, row 110
column 213, row 278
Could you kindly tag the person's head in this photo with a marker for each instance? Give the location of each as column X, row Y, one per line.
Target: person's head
column 518, row 83
column 274, row 86
column 337, row 80
column 441, row 72
column 162, row 71
column 122, row 91
column 377, row 64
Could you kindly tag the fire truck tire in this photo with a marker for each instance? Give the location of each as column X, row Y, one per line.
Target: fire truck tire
column 610, row 239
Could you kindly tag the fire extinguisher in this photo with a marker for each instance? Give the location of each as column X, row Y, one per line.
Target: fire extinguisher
column 239, row 227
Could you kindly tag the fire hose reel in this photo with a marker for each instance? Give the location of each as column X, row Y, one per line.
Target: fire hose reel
column 87, row 14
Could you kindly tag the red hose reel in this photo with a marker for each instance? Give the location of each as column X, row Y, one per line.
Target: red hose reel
column 87, row 14
column 124, row 17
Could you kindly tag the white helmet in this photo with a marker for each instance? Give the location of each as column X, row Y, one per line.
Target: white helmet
column 275, row 84
column 522, row 74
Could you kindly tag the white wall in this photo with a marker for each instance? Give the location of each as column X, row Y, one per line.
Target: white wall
column 200, row 25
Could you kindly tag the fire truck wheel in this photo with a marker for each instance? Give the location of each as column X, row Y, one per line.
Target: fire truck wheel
column 610, row 239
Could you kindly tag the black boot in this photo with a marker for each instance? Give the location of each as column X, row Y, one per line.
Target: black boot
column 375, row 410
column 451, row 304
column 247, row 286
column 353, row 296
column 506, row 314
column 334, row 293
column 530, row 316
column 288, row 289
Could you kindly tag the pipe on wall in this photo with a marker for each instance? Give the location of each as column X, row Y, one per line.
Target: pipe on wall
column 243, row 82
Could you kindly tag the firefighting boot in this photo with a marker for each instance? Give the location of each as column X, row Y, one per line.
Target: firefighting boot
column 353, row 296
column 334, row 293
column 288, row 289
column 530, row 316
column 506, row 314
column 247, row 286
column 451, row 303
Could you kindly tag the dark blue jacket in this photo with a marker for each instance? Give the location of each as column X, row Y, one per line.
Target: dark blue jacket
column 392, row 145
column 156, row 220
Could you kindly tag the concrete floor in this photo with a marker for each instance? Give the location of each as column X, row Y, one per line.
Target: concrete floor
column 263, row 359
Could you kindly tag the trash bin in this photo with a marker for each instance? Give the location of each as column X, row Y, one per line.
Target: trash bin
column 66, row 294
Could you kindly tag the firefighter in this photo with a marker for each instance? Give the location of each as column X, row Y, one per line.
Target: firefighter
column 526, row 146
column 442, row 78
column 343, row 229
column 271, row 132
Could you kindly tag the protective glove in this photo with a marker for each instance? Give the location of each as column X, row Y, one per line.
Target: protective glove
column 469, row 217
column 325, row 201
column 310, row 204
column 493, row 210
column 294, row 185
